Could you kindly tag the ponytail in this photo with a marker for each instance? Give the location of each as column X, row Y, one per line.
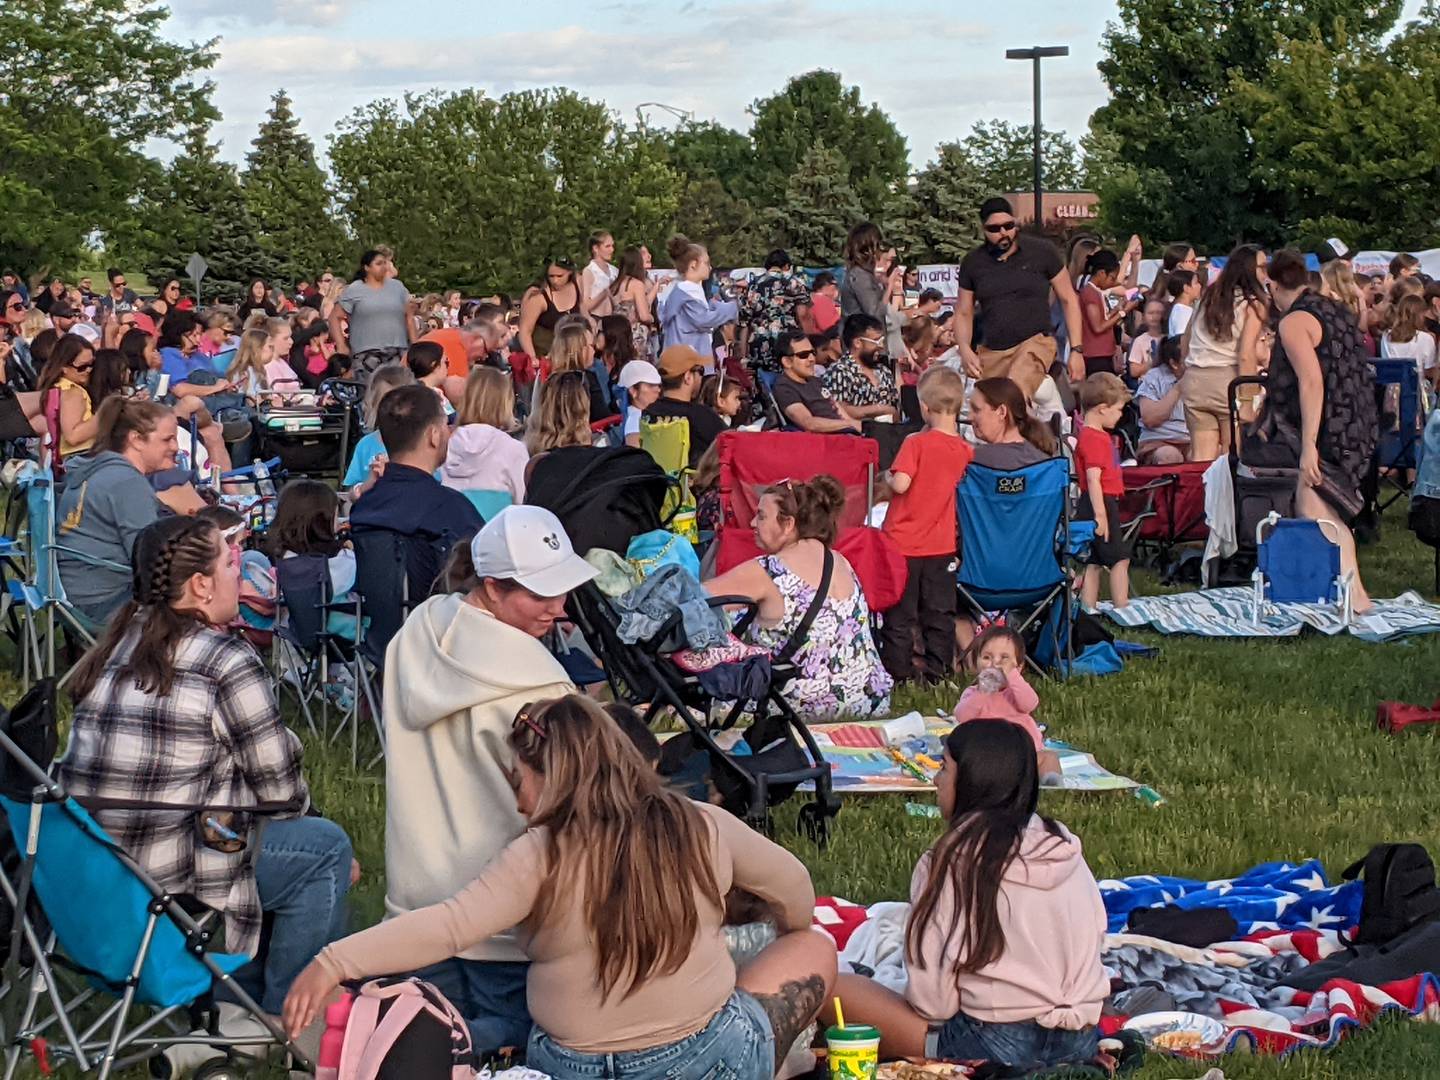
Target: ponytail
column 119, row 417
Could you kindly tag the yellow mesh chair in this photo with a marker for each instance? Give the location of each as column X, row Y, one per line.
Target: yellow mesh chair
column 667, row 441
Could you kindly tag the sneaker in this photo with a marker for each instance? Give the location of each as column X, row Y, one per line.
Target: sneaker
column 234, row 430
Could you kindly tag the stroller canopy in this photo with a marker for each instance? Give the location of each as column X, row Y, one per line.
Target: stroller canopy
column 604, row 497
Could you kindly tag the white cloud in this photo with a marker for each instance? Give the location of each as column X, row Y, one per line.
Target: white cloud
column 270, row 12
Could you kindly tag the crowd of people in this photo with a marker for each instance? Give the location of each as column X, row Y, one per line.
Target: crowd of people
column 537, row 868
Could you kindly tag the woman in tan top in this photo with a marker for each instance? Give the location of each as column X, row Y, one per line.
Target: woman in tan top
column 617, row 890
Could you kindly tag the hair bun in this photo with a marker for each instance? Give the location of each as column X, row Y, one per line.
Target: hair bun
column 677, row 246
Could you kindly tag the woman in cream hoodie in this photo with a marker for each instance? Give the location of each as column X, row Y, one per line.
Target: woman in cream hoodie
column 456, row 674
column 1006, row 925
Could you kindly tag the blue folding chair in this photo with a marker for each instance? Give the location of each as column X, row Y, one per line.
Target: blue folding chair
column 1296, row 563
column 42, row 594
column 1014, row 527
column 1398, row 395
column 114, row 929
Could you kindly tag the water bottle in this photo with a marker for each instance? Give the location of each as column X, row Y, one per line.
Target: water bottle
column 267, row 498
column 332, row 1043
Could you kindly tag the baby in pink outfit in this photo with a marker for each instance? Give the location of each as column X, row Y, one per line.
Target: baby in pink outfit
column 1000, row 692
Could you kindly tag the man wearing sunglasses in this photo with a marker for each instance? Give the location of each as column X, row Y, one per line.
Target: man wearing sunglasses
column 121, row 298
column 801, row 396
column 1012, row 278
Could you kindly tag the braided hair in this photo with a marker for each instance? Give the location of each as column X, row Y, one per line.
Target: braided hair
column 167, row 554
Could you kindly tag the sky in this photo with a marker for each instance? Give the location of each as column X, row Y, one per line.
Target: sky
column 936, row 68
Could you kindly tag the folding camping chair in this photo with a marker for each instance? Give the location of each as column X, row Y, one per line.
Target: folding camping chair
column 1297, row 563
column 1399, row 402
column 309, row 645
column 383, row 583
column 1165, row 504
column 113, row 926
column 668, row 442
column 1014, row 527
column 750, row 461
column 41, row 595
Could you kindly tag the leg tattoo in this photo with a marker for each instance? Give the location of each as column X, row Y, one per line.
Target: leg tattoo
column 791, row 1009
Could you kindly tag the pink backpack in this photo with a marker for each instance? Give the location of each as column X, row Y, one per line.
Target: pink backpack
column 395, row 1029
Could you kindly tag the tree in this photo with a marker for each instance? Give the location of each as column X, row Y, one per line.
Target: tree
column 1171, row 69
column 198, row 206
column 817, row 108
column 935, row 219
column 1003, row 155
column 698, row 151
column 478, row 192
column 818, row 208
column 1347, row 137
column 289, row 199
column 83, row 85
column 729, row 227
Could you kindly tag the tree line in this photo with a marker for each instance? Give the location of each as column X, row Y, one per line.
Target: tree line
column 1228, row 120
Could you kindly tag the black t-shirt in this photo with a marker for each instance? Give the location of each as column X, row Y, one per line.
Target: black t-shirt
column 1013, row 293
column 811, row 393
column 705, row 424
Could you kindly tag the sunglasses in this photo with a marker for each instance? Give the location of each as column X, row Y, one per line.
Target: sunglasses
column 15, row 305
column 1002, row 226
column 797, row 353
column 524, row 719
column 82, row 368
column 118, row 284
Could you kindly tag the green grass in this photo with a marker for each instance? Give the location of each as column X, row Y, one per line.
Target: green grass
column 1263, row 750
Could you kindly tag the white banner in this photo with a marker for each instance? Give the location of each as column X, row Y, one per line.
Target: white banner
column 942, row 276
column 1378, row 262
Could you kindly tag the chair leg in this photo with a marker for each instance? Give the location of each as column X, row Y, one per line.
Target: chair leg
column 127, row 1000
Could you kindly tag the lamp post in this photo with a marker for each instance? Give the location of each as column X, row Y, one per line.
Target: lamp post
column 1035, row 54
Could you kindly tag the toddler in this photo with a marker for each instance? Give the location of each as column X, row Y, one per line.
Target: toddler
column 722, row 395
column 1000, row 692
column 1103, row 397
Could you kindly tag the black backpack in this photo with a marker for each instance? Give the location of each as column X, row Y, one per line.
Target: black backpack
column 1400, row 891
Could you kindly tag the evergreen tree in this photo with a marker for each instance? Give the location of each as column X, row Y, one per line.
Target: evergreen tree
column 728, row 226
column 199, row 207
column 288, row 199
column 934, row 220
column 818, row 209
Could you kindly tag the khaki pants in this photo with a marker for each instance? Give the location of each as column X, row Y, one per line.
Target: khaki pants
column 1026, row 364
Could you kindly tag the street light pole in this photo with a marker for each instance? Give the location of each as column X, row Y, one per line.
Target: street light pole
column 1035, row 54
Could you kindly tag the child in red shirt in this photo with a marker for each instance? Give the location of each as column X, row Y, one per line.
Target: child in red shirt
column 921, row 522
column 1103, row 397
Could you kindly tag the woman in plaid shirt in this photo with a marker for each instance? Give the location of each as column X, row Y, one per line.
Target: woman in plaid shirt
column 174, row 710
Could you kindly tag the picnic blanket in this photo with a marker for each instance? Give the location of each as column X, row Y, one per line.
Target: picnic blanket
column 1270, row 896
column 861, row 761
column 870, row 942
column 1229, row 613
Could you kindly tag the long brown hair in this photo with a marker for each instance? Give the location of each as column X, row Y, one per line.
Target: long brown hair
column 1004, row 394
column 1239, row 283
column 562, row 416
column 997, row 788
column 1407, row 318
column 639, row 851
column 167, row 554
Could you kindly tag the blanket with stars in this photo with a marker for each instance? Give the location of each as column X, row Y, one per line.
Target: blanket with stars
column 1271, row 896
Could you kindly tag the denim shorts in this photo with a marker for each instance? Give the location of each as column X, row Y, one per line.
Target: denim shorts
column 1021, row 1044
column 737, row 1044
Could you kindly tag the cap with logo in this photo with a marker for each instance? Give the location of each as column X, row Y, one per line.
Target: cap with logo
column 528, row 545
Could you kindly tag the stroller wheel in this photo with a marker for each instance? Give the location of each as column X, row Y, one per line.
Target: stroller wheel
column 814, row 824
column 220, row 1070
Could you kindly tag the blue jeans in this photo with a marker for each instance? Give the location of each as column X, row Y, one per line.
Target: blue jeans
column 490, row 995
column 1021, row 1044
column 303, row 874
column 738, row 1043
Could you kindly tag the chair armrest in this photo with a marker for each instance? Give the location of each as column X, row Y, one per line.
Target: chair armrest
column 90, row 560
column 752, row 610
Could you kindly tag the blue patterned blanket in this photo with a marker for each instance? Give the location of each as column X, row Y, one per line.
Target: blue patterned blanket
column 1271, row 896
column 1230, row 613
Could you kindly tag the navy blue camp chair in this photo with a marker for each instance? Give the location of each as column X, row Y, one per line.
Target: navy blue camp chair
column 1014, row 528
column 1397, row 393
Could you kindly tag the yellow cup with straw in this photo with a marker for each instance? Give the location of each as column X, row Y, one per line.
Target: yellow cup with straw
column 852, row 1051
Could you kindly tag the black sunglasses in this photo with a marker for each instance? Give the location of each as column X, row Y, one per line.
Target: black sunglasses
column 802, row 352
column 1003, row 226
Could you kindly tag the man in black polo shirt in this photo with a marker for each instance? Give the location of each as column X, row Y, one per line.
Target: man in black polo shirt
column 1011, row 276
column 407, row 499
column 682, row 370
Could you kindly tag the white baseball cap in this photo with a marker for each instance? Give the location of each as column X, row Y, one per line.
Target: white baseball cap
column 638, row 371
column 86, row 331
column 527, row 544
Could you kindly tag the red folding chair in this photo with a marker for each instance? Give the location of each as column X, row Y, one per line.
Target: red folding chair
column 1168, row 501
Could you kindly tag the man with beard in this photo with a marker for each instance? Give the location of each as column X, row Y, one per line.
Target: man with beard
column 1011, row 276
column 862, row 378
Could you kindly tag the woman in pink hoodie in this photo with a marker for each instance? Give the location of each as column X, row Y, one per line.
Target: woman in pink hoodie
column 1006, row 925
column 483, row 455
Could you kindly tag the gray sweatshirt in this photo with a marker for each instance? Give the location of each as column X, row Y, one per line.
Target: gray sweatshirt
column 107, row 501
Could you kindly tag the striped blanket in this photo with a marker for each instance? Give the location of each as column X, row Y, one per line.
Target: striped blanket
column 1229, row 613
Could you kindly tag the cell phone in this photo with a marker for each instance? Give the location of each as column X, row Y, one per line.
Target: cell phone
column 162, row 385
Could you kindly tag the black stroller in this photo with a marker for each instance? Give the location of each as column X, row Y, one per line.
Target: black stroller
column 1262, row 483
column 605, row 498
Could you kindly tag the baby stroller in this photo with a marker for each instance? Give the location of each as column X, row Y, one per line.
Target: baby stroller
column 312, row 432
column 605, row 498
column 1264, row 483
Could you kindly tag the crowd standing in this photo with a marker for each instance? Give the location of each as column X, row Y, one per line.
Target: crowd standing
column 511, row 796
